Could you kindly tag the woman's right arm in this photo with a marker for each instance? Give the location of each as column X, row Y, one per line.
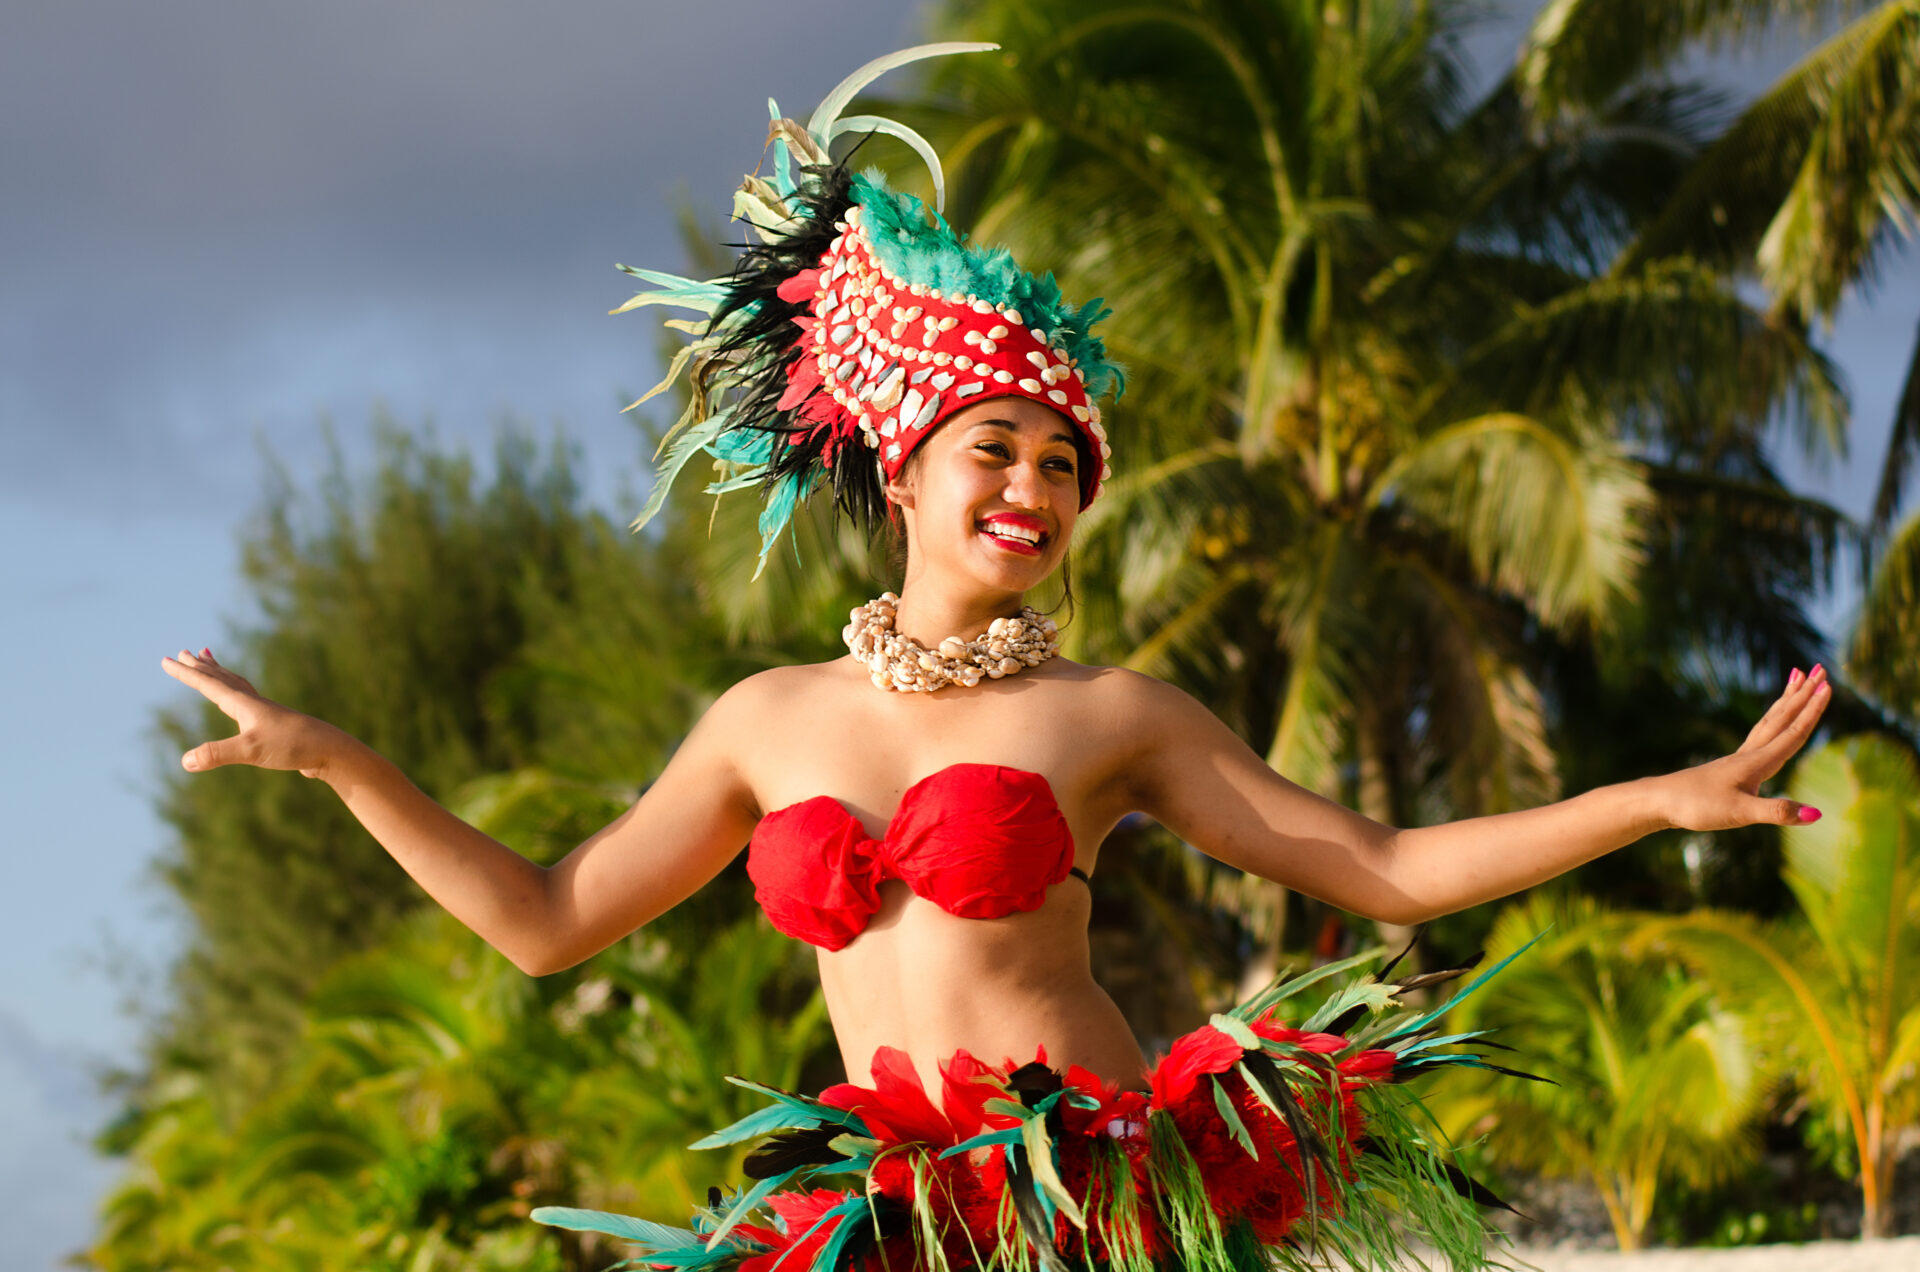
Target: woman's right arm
column 679, row 834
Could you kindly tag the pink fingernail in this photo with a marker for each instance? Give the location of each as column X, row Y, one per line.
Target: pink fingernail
column 1794, row 679
column 1808, row 813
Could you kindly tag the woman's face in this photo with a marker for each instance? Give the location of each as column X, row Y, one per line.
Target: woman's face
column 992, row 494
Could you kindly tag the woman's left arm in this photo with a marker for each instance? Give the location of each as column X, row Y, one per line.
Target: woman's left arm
column 1195, row 776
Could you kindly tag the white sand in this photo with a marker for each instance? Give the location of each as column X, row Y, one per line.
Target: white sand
column 1896, row 1254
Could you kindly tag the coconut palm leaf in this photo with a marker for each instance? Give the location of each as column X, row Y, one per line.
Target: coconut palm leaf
column 1883, row 654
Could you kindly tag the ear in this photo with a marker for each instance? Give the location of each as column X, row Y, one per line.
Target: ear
column 900, row 491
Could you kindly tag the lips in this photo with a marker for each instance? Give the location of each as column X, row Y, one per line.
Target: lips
column 1022, row 535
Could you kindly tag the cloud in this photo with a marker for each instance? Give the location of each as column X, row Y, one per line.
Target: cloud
column 226, row 218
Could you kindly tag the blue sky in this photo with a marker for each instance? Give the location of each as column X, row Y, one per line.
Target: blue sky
column 228, row 220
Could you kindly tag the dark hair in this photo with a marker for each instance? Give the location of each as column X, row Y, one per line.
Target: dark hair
column 897, row 549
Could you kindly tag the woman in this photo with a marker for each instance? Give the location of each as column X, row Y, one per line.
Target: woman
column 934, row 835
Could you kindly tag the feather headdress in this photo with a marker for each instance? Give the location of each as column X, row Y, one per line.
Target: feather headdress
column 857, row 323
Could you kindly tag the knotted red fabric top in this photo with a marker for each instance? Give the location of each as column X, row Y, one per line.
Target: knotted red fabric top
column 981, row 841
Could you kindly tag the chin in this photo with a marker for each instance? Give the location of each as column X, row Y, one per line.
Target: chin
column 1008, row 573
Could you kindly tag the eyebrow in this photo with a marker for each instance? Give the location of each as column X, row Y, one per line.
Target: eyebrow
column 1011, row 427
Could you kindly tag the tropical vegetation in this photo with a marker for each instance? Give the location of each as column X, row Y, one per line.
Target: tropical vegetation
column 1452, row 483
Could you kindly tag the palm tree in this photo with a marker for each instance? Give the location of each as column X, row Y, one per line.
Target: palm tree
column 1650, row 1080
column 1806, row 191
column 1834, row 994
column 1402, row 421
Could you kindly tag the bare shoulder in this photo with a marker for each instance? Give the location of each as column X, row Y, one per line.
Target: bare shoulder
column 769, row 698
column 1123, row 696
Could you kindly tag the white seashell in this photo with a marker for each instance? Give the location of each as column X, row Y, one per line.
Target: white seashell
column 949, row 323
column 942, row 380
column 1011, row 314
column 925, row 415
column 1038, row 359
column 910, row 404
column 987, row 346
column 968, row 389
column 920, row 376
column 941, row 358
column 1003, row 377
column 1058, row 395
column 997, row 332
column 1080, row 413
column 998, row 627
column 963, row 362
column 1039, row 336
column 1030, row 384
column 953, row 647
column 1008, row 666
column 840, row 333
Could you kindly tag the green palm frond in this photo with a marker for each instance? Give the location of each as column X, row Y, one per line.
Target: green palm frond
column 1883, row 653
column 1581, row 52
column 1805, row 186
column 1553, row 520
column 1903, row 447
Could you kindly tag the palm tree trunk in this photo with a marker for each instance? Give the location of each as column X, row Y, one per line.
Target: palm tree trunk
column 1624, row 1234
column 1374, row 799
column 1876, row 1173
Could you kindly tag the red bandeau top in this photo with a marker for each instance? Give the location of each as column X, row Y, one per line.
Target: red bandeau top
column 979, row 840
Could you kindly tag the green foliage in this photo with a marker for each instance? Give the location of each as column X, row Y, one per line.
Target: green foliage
column 1834, row 993
column 434, row 1095
column 1651, row 1082
column 459, row 625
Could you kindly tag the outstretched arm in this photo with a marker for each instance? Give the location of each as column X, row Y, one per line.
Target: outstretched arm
column 1196, row 777
column 677, row 836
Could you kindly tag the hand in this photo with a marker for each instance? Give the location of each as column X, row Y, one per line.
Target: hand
column 271, row 736
column 1724, row 793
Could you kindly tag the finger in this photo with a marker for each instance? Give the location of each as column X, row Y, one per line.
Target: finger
column 1793, row 735
column 204, row 662
column 1779, row 812
column 214, row 754
column 1781, row 713
column 208, row 664
column 212, row 687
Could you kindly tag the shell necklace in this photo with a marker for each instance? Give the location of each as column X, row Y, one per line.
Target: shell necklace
column 901, row 663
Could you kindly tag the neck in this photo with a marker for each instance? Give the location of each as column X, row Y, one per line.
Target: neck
column 929, row 613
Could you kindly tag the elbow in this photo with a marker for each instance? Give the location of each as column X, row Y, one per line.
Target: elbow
column 534, row 962
column 543, row 958
column 1401, row 912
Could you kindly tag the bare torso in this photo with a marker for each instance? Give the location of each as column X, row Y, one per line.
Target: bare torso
column 918, row 978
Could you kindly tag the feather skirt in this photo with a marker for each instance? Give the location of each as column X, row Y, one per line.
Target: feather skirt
column 1259, row 1144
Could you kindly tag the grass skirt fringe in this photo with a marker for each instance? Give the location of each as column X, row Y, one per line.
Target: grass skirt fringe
column 1260, row 1145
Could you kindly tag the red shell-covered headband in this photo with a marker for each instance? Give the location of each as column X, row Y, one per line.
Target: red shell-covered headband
column 857, row 324
column 892, row 359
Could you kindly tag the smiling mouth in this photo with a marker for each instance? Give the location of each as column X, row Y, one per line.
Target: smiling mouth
column 1015, row 537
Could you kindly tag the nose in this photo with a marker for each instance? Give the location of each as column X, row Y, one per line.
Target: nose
column 1026, row 485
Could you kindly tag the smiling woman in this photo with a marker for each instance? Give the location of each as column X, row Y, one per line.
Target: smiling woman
column 954, row 774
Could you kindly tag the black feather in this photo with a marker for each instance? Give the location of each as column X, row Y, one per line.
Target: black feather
column 1345, row 1020
column 1394, row 962
column 1033, row 1083
column 803, row 1146
column 766, row 331
column 1031, row 1213
column 1313, row 1150
column 1475, row 1191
